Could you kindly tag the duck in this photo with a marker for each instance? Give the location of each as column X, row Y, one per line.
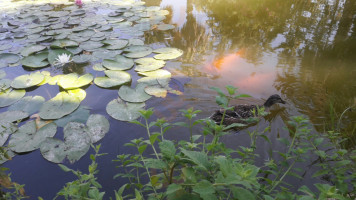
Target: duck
column 242, row 112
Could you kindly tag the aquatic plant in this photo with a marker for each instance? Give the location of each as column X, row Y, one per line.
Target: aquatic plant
column 62, row 60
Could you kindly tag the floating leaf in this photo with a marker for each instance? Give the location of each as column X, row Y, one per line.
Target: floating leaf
column 134, row 95
column 60, row 44
column 54, row 80
column 98, row 126
column 79, row 93
column 28, row 104
column 10, row 96
column 32, row 49
column 137, row 51
column 12, row 116
column 77, row 140
column 27, row 138
column 167, row 53
column 120, row 110
column 59, row 106
column 115, row 44
column 35, row 61
column 148, row 64
column 2, row 74
column 72, row 81
column 120, row 63
column 98, row 67
column 6, row 129
column 115, row 78
column 80, row 115
column 83, row 58
column 9, row 58
column 90, row 45
column 53, row 150
column 160, row 73
column 156, row 91
column 135, row 41
column 27, row 80
column 5, row 84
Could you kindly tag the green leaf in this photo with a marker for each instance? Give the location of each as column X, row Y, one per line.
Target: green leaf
column 32, row 49
column 318, row 141
column 173, row 188
column 241, row 193
column 148, row 64
column 80, row 115
column 134, row 95
column 168, row 149
column 142, row 148
column 231, row 89
column 167, row 53
column 98, row 126
column 155, row 164
column 10, row 96
column 64, row 43
column 199, row 158
column 64, row 168
column 28, row 104
column 205, row 189
column 124, row 111
column 77, row 140
column 72, row 81
column 27, row 80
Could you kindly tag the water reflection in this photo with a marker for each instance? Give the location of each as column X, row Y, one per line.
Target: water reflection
column 302, row 49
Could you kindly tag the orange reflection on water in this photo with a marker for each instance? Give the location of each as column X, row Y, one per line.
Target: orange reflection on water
column 233, row 69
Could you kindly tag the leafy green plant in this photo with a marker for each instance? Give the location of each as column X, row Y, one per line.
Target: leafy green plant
column 86, row 186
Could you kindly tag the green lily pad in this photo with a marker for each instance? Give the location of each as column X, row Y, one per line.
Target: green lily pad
column 72, row 81
column 90, row 45
column 6, row 129
column 10, row 96
column 47, row 77
column 28, row 104
column 156, row 91
column 5, row 84
column 167, row 53
column 105, row 54
column 53, row 54
column 122, row 111
column 75, row 50
column 32, row 49
column 27, row 80
column 98, row 67
column 77, row 140
column 83, row 58
column 137, row 51
column 120, row 63
column 98, row 126
column 115, row 44
column 2, row 74
column 165, row 27
column 59, row 106
column 12, row 116
column 8, row 58
column 53, row 150
column 28, row 138
column 5, row 47
column 134, row 95
column 80, row 115
column 79, row 93
column 160, row 73
column 148, row 64
column 36, row 61
column 115, row 78
column 60, row 44
column 135, row 41
column 54, row 80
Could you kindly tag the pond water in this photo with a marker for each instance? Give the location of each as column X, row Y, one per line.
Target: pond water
column 303, row 50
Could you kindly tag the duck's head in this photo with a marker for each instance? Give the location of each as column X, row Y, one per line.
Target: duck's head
column 273, row 99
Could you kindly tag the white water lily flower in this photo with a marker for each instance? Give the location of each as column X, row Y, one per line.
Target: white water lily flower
column 62, row 59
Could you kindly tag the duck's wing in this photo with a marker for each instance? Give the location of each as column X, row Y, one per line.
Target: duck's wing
column 245, row 111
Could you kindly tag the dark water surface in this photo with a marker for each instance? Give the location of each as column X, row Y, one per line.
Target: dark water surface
column 304, row 50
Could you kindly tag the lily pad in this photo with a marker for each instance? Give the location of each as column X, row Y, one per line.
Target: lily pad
column 60, row 44
column 28, row 138
column 120, row 63
column 36, row 61
column 98, row 67
column 90, row 45
column 160, row 73
column 5, row 84
column 72, row 81
column 98, row 126
column 59, row 106
column 27, row 80
column 6, row 129
column 28, row 104
column 156, row 91
column 115, row 78
column 32, row 49
column 77, row 140
column 165, row 27
column 167, row 53
column 9, row 58
column 135, row 41
column 137, row 51
column 79, row 93
column 83, row 58
column 115, row 44
column 10, row 96
column 75, row 50
column 122, row 111
column 148, row 64
column 134, row 95
column 53, row 150
column 12, row 116
column 80, row 115
column 2, row 74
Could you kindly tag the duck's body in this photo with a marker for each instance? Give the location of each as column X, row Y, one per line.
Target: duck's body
column 242, row 112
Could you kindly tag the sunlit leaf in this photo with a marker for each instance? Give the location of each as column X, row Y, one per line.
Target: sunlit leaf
column 120, row 110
